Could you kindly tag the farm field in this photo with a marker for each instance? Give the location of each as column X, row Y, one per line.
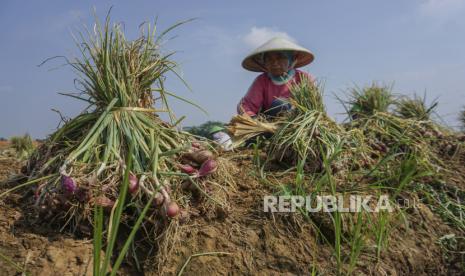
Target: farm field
column 125, row 188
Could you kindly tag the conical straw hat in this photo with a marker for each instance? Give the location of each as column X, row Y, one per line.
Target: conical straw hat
column 253, row 61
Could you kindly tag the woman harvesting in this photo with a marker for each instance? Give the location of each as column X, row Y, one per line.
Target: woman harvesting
column 277, row 59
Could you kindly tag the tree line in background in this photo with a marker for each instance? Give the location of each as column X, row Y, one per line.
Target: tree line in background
column 204, row 129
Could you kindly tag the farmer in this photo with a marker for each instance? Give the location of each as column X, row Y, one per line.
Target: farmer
column 277, row 59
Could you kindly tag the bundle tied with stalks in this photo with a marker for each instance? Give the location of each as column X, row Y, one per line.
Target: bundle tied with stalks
column 242, row 128
column 308, row 134
column 386, row 133
column 415, row 108
column 81, row 164
column 369, row 100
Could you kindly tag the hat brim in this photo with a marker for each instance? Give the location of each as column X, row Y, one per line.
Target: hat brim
column 302, row 56
column 252, row 62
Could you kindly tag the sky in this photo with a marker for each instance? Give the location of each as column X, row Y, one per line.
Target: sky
column 418, row 46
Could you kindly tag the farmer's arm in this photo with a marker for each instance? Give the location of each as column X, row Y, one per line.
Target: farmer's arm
column 252, row 102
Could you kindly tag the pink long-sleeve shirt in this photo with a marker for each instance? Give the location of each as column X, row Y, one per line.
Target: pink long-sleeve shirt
column 263, row 92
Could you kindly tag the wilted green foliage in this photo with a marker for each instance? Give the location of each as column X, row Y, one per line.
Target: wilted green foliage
column 307, row 133
column 307, row 96
column 23, row 145
column 369, row 100
column 415, row 108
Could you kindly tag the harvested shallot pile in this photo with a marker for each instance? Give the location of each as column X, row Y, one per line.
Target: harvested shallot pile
column 118, row 156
